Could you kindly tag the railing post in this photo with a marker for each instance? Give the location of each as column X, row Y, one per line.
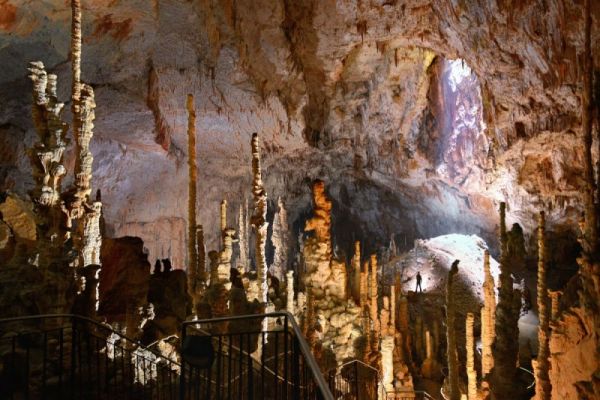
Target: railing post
column 356, row 379
column 182, row 376
column 73, row 354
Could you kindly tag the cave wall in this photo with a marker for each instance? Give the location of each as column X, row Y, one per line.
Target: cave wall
column 340, row 90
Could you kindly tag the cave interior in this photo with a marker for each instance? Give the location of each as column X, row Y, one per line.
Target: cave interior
column 416, row 184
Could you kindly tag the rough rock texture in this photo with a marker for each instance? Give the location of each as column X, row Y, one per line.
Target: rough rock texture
column 471, row 372
column 341, row 89
column 336, row 318
column 124, row 278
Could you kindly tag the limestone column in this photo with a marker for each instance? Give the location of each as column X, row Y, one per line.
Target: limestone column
column 259, row 220
column 543, row 388
column 471, row 373
column 192, row 179
column 452, row 354
column 374, row 306
column 488, row 317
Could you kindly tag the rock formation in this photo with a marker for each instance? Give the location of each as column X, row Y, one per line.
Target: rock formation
column 243, row 236
column 488, row 318
column 506, row 344
column 541, row 365
column 575, row 333
column 289, row 307
column 259, row 220
column 336, row 316
column 280, row 240
column 192, row 270
column 471, row 372
column 452, row 351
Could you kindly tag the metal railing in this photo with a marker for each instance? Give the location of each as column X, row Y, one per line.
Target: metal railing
column 234, row 358
column 64, row 356
column 356, row 380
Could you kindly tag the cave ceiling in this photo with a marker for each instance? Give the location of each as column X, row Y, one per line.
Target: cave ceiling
column 357, row 93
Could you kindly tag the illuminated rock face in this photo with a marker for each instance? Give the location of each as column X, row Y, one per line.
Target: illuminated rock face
column 337, row 316
column 488, row 318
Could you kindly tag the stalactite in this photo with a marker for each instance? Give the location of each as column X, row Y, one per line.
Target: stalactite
column 506, row 343
column 290, row 292
column 259, row 220
column 543, row 388
column 471, row 373
column 452, row 353
column 488, row 317
column 192, row 178
column 280, row 239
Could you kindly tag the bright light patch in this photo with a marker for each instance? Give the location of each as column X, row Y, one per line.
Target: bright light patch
column 459, row 70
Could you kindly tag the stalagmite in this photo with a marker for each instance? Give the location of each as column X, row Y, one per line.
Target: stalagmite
column 242, row 237
column 471, row 373
column 201, row 275
column 290, row 292
column 259, row 221
column 543, row 388
column 488, row 317
column 92, row 238
column 555, row 302
column 280, row 239
column 387, row 363
column 337, row 316
column 373, row 306
column 452, row 353
column 223, row 215
column 192, row 178
column 506, row 343
column 356, row 273
column 392, row 310
column 47, row 153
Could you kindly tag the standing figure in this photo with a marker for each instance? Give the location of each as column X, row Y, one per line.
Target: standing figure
column 419, row 279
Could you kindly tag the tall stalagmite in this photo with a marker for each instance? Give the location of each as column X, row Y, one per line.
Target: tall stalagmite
column 543, row 388
column 451, row 351
column 280, row 239
column 192, row 177
column 488, row 317
column 471, row 372
column 259, row 222
column 243, row 236
column 290, row 292
column 506, row 343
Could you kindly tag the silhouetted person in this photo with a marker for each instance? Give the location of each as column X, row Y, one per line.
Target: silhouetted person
column 157, row 267
column 419, row 279
column 167, row 265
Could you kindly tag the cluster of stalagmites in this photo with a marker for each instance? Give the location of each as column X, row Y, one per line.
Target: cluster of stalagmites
column 67, row 240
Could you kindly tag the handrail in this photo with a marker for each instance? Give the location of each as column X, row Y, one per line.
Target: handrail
column 92, row 321
column 304, row 348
